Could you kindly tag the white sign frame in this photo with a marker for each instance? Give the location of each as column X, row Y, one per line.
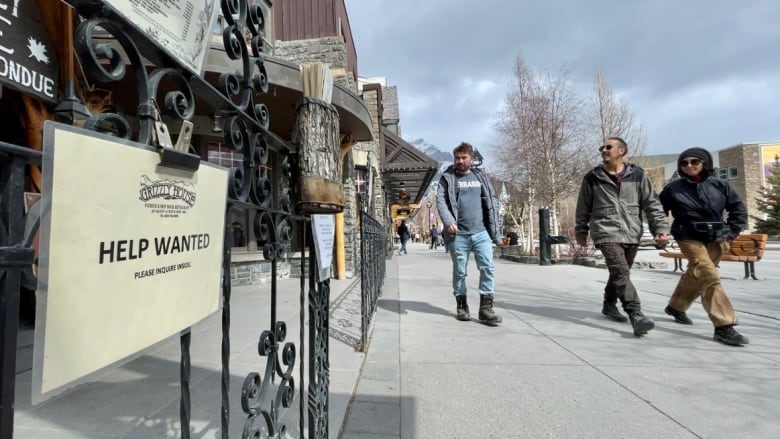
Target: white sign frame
column 323, row 227
column 101, row 300
column 182, row 28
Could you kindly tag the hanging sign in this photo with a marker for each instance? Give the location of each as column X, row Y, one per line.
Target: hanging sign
column 180, row 27
column 27, row 61
column 130, row 254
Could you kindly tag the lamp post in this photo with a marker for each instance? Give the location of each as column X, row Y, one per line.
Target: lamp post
column 429, row 215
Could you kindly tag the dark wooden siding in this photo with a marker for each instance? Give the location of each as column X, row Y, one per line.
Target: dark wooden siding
column 304, row 19
column 308, row 19
column 346, row 30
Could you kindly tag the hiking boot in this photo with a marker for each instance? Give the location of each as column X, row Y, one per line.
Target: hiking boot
column 641, row 323
column 463, row 308
column 486, row 313
column 728, row 335
column 679, row 316
column 610, row 311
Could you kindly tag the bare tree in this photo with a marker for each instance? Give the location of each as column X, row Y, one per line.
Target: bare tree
column 541, row 132
column 610, row 116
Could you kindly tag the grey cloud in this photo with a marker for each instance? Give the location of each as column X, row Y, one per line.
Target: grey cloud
column 650, row 52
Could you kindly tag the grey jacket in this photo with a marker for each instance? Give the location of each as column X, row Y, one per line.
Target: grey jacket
column 447, row 202
column 612, row 216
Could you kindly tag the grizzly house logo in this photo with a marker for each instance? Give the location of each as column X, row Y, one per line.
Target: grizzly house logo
column 167, row 198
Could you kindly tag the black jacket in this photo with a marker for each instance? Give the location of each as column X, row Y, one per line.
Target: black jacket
column 692, row 202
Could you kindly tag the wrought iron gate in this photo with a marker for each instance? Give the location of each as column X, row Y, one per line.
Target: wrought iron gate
column 267, row 206
column 373, row 250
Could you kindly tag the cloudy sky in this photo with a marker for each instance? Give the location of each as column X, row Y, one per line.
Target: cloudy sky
column 695, row 72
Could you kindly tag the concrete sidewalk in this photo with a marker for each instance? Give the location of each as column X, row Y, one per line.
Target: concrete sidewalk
column 140, row 400
column 555, row 367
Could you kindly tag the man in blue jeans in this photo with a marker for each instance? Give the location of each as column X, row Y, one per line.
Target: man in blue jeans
column 468, row 207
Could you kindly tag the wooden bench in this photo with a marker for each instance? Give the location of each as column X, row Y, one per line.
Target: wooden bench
column 747, row 249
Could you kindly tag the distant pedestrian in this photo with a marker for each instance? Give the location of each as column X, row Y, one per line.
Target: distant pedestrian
column 434, row 236
column 697, row 201
column 612, row 198
column 512, row 237
column 468, row 207
column 403, row 237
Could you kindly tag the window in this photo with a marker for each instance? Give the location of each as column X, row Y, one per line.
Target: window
column 238, row 220
column 360, row 175
column 723, row 173
column 224, row 155
column 268, row 13
column 733, row 172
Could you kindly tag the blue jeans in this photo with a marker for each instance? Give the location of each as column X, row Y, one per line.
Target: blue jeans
column 403, row 246
column 460, row 248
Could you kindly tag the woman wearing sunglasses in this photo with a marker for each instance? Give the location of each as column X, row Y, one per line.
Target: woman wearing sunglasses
column 697, row 201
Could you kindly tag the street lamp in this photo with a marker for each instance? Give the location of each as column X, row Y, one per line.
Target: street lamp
column 429, row 214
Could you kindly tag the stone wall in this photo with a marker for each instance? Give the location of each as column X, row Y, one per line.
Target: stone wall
column 391, row 114
column 350, row 218
column 256, row 272
column 378, row 202
column 330, row 50
column 747, row 160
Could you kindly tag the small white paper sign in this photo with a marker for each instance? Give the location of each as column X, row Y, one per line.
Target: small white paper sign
column 323, row 227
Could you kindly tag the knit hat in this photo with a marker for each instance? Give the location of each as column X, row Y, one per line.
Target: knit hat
column 699, row 153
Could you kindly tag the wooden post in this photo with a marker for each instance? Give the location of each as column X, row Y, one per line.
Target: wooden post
column 316, row 135
column 341, row 255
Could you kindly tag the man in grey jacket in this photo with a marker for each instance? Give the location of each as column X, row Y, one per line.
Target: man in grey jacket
column 612, row 200
column 468, row 207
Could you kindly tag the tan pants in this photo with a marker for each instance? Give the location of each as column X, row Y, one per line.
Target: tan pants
column 703, row 279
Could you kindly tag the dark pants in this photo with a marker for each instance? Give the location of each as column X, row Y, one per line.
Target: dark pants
column 619, row 259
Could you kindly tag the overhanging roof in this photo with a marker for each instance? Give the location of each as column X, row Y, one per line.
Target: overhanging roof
column 405, row 168
column 286, row 90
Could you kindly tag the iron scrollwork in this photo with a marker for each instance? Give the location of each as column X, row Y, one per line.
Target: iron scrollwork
column 250, row 189
column 319, row 348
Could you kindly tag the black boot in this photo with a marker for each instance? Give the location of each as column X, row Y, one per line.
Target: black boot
column 679, row 316
column 641, row 323
column 728, row 335
column 486, row 313
column 463, row 308
column 610, row 311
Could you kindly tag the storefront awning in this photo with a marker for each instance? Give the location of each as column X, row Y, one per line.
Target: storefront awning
column 406, row 171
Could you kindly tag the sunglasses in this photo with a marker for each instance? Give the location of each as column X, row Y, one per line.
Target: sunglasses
column 605, row 147
column 691, row 162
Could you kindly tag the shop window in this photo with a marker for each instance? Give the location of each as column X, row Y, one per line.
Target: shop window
column 238, row 229
column 222, row 155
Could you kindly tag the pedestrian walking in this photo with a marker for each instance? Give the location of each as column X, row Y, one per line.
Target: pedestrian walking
column 512, row 238
column 468, row 207
column 434, row 237
column 403, row 237
column 445, row 240
column 697, row 201
column 613, row 197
